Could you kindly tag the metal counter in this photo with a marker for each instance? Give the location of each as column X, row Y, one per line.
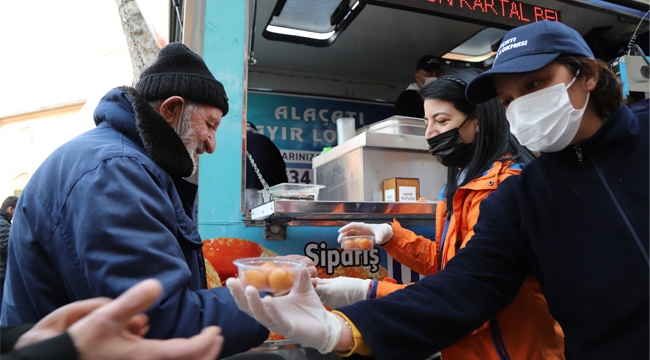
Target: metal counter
column 355, row 170
column 353, row 173
column 317, row 211
column 276, row 215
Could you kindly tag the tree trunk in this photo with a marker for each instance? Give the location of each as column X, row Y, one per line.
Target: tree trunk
column 142, row 45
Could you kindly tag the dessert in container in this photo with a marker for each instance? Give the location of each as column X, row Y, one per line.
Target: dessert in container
column 272, row 274
column 358, row 242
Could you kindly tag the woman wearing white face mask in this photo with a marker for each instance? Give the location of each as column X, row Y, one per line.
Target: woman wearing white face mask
column 576, row 218
column 546, row 120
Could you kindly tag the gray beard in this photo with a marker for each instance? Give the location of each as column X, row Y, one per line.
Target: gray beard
column 188, row 136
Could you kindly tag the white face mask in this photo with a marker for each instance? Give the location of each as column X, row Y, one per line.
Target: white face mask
column 545, row 120
column 429, row 80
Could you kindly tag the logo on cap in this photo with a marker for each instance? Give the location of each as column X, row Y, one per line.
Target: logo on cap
column 509, row 45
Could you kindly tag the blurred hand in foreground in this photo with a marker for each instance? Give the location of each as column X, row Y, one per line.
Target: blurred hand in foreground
column 107, row 329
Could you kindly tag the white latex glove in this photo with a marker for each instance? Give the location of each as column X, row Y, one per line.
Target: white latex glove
column 381, row 232
column 299, row 315
column 310, row 267
column 341, row 291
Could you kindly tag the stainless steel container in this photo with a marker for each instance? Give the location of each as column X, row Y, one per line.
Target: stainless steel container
column 354, row 170
column 398, row 125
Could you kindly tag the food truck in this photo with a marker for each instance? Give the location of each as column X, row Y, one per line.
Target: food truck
column 296, row 67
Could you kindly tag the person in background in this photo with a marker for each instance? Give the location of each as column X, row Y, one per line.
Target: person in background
column 112, row 207
column 409, row 102
column 269, row 162
column 6, row 214
column 576, row 219
column 101, row 328
column 475, row 143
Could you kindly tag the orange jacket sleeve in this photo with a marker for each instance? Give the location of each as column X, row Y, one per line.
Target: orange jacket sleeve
column 414, row 251
column 388, row 286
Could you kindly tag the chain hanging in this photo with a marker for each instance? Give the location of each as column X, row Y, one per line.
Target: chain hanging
column 257, row 171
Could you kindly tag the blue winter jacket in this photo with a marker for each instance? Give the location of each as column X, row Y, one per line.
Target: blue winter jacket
column 578, row 221
column 109, row 209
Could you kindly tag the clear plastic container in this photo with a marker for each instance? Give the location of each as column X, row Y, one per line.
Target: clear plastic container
column 292, row 192
column 358, row 242
column 269, row 273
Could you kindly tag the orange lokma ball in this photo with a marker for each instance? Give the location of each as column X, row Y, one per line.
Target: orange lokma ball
column 255, row 278
column 268, row 264
column 348, row 245
column 365, row 244
column 281, row 279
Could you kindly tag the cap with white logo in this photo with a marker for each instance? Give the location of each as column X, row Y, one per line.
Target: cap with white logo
column 527, row 48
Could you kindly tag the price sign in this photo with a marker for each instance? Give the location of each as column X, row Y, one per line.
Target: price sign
column 498, row 13
column 297, row 175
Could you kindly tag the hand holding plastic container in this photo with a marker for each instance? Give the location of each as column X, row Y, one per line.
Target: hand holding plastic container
column 357, row 242
column 379, row 233
column 269, row 274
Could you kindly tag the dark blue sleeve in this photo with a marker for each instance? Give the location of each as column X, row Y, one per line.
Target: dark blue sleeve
column 441, row 309
column 136, row 236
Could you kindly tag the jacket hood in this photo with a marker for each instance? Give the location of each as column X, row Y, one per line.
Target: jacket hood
column 125, row 110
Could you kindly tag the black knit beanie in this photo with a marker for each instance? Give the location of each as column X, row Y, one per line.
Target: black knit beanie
column 180, row 72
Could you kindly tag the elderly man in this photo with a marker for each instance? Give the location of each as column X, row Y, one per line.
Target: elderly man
column 111, row 208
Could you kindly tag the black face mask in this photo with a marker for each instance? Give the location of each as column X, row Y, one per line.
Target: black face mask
column 450, row 150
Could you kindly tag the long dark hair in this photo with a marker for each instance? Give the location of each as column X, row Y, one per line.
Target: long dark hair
column 493, row 141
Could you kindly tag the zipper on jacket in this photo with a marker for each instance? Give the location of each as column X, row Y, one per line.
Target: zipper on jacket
column 443, row 238
column 499, row 346
column 578, row 150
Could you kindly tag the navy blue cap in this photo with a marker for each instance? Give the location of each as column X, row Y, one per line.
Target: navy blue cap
column 427, row 63
column 527, row 48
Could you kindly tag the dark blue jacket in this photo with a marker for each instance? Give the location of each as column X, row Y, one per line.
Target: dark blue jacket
column 108, row 209
column 578, row 221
